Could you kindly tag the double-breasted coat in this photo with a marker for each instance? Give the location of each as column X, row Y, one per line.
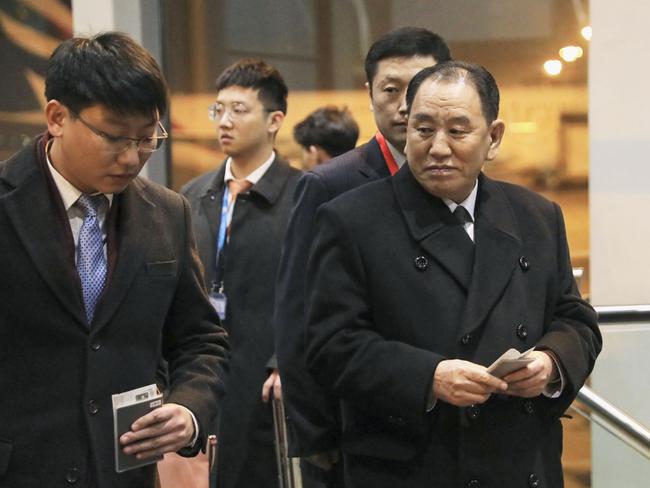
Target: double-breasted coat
column 395, row 286
column 246, row 455
column 57, row 372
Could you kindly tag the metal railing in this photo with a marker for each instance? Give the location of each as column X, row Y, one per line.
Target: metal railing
column 598, row 410
column 613, row 420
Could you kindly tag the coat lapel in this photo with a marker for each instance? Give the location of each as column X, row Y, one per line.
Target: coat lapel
column 434, row 227
column 374, row 165
column 33, row 215
column 498, row 246
column 133, row 228
column 272, row 182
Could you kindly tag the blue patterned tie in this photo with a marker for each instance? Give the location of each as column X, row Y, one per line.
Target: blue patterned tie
column 91, row 261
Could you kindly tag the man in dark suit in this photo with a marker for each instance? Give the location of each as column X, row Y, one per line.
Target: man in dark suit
column 239, row 241
column 417, row 282
column 313, row 419
column 100, row 278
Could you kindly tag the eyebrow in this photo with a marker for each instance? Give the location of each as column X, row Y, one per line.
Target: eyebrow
column 120, row 123
column 425, row 117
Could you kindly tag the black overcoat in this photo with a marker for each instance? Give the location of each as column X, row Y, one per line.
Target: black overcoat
column 245, row 432
column 312, row 412
column 395, row 286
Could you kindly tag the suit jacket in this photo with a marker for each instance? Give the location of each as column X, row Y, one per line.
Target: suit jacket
column 312, row 412
column 57, row 372
column 246, row 452
column 395, row 286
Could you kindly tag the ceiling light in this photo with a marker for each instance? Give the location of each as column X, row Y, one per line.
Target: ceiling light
column 570, row 53
column 586, row 32
column 553, row 67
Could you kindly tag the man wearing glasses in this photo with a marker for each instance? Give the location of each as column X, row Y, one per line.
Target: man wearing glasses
column 100, row 278
column 240, row 213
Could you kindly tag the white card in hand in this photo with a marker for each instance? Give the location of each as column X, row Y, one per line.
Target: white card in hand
column 510, row 361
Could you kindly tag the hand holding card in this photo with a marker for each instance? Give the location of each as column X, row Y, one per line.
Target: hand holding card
column 510, row 361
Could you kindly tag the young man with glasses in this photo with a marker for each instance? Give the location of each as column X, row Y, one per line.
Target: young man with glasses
column 240, row 213
column 100, row 278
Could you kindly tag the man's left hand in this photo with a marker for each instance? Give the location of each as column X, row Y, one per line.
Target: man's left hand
column 165, row 429
column 531, row 380
column 272, row 384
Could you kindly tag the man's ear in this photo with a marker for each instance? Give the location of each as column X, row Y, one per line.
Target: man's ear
column 275, row 122
column 497, row 129
column 56, row 116
column 369, row 90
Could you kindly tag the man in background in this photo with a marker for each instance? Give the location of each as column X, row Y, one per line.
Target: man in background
column 100, row 279
column 312, row 413
column 240, row 212
column 325, row 133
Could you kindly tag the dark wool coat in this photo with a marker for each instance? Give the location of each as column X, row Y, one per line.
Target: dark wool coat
column 395, row 286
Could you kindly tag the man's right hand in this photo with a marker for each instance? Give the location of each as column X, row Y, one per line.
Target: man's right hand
column 462, row 383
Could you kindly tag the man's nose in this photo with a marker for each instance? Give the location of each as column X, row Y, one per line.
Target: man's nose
column 225, row 120
column 402, row 107
column 130, row 156
column 440, row 148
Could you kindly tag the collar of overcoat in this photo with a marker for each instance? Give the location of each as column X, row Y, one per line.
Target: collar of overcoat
column 33, row 215
column 269, row 188
column 495, row 254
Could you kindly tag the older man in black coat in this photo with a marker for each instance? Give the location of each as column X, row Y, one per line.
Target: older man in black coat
column 418, row 282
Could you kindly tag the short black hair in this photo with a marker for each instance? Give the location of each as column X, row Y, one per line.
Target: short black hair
column 453, row 71
column 330, row 128
column 110, row 69
column 271, row 89
column 405, row 42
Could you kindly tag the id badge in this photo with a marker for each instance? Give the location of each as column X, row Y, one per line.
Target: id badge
column 219, row 302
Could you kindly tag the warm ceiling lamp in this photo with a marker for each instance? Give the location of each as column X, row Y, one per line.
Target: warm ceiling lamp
column 586, row 32
column 553, row 67
column 570, row 53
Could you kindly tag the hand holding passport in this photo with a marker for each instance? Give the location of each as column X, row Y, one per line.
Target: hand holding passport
column 509, row 361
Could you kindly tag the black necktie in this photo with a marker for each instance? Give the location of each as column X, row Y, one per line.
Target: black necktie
column 462, row 215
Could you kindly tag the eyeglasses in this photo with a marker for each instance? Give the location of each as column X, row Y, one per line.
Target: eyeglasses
column 120, row 144
column 235, row 112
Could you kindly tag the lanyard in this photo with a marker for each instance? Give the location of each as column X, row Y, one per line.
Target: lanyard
column 221, row 241
column 388, row 156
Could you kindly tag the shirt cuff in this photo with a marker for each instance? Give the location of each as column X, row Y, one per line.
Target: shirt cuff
column 431, row 401
column 196, row 429
column 554, row 388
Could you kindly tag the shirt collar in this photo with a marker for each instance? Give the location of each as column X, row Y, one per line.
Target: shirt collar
column 469, row 203
column 69, row 193
column 255, row 176
column 398, row 155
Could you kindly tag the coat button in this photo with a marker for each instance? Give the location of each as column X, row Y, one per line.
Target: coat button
column 474, row 484
column 95, row 346
column 72, row 475
column 533, row 481
column 212, row 197
column 466, row 339
column 421, row 263
column 522, row 331
column 529, row 407
column 523, row 263
column 93, row 408
column 473, row 411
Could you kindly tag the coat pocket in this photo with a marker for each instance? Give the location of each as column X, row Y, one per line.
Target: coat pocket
column 5, row 454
